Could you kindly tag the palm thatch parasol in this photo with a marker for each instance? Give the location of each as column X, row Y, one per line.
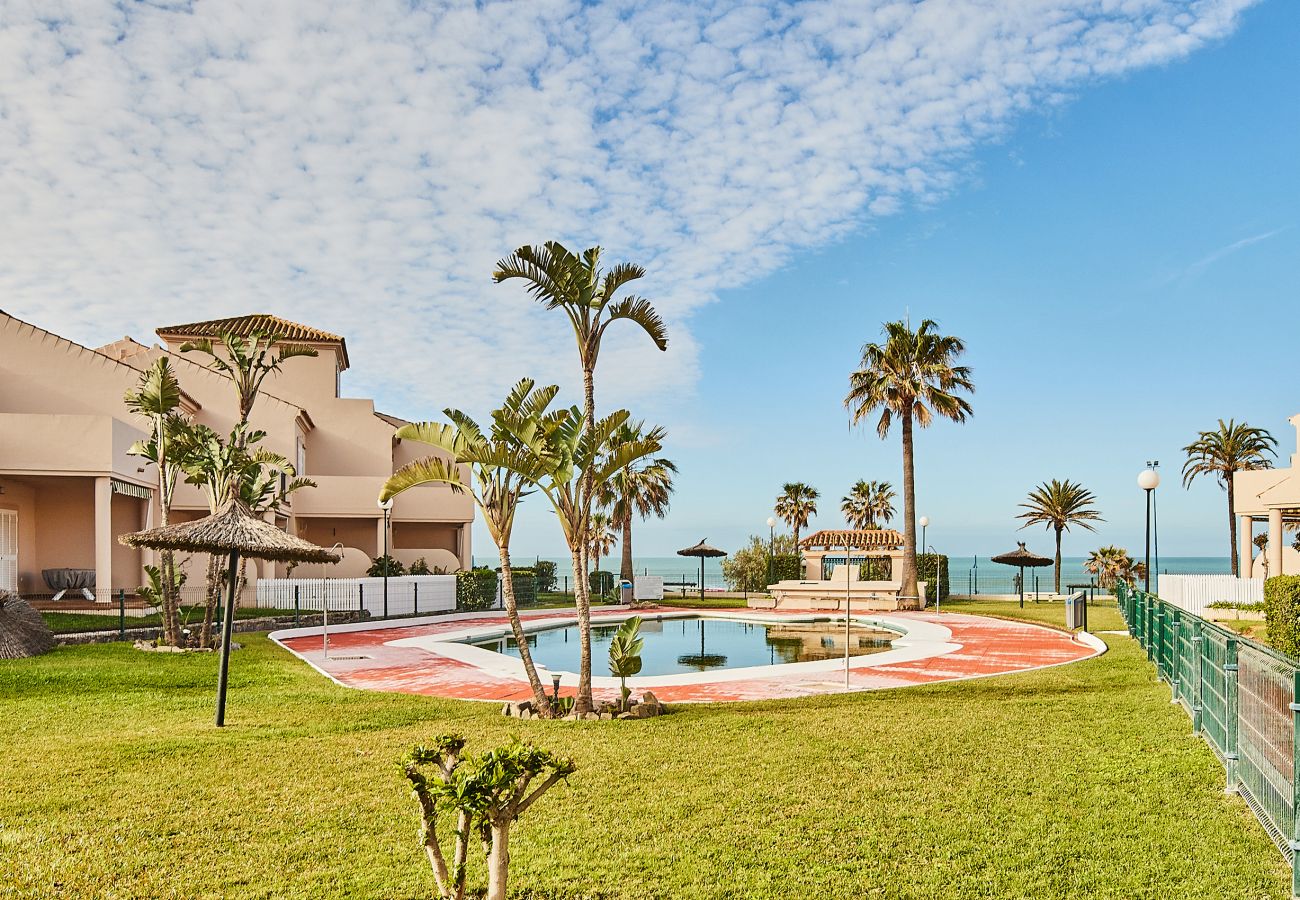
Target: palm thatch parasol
column 703, row 551
column 1022, row 558
column 233, row 529
column 23, row 632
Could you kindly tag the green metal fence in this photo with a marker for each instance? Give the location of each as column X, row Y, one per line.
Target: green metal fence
column 1243, row 700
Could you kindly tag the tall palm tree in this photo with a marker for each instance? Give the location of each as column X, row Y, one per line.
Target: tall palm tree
column 869, row 504
column 795, row 505
column 1058, row 505
column 1230, row 449
column 640, row 490
column 499, row 475
column 600, row 538
column 157, row 397
column 563, row 452
column 913, row 377
column 577, row 286
column 248, row 362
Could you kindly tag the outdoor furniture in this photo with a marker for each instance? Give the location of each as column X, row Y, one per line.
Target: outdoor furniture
column 63, row 580
column 703, row 551
column 1021, row 557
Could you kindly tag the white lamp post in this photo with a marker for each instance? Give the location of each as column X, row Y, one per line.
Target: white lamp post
column 1148, row 481
column 387, row 507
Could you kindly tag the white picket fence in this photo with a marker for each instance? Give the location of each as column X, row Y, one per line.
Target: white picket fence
column 1195, row 593
column 407, row 595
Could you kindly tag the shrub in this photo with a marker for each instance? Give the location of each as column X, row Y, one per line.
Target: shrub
column 1282, row 613
column 746, row 569
column 420, row 567
column 926, row 566
column 386, row 565
column 544, row 571
column 601, row 583
column 877, row 568
column 525, row 584
column 476, row 590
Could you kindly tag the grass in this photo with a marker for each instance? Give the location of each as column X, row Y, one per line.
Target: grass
column 62, row 623
column 1081, row 780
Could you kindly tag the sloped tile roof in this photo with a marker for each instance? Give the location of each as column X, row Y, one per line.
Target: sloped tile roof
column 883, row 538
column 244, row 326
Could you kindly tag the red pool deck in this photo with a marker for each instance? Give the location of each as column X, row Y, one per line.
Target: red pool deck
column 975, row 647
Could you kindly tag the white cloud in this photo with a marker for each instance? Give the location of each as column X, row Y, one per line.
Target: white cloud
column 362, row 166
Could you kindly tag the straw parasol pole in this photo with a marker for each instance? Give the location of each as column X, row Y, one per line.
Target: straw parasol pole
column 1022, row 558
column 703, row 551
column 233, row 529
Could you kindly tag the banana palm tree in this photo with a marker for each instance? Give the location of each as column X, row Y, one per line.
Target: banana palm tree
column 499, row 475
column 576, row 285
column 869, row 504
column 911, row 376
column 641, row 490
column 564, row 451
column 1224, row 452
column 157, row 397
column 1058, row 505
column 795, row 505
column 248, row 362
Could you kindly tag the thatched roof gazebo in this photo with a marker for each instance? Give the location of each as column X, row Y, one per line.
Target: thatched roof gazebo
column 232, row 530
column 23, row 632
column 703, row 551
column 1024, row 559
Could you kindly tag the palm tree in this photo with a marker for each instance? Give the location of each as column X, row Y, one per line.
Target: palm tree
column 1112, row 564
column 600, row 538
column 158, row 397
column 563, row 452
column 912, row 376
column 795, row 505
column 499, row 477
column 1230, row 449
column 1058, row 505
column 248, row 362
column 869, row 504
column 576, row 285
column 641, row 490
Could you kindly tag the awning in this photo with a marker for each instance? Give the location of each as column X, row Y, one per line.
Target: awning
column 127, row 489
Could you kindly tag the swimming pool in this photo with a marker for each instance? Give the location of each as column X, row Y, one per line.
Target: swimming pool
column 675, row 646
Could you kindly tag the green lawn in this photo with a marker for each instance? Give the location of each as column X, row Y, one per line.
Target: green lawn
column 63, row 623
column 1077, row 781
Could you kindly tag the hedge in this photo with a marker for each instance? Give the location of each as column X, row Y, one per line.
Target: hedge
column 926, row 564
column 786, row 567
column 476, row 590
column 1282, row 613
column 544, row 570
column 601, row 583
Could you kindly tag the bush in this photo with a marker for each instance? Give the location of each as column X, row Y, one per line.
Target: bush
column 601, row 583
column 476, row 590
column 544, row 571
column 746, row 569
column 420, row 567
column 1282, row 613
column 877, row 568
column 926, row 566
column 386, row 565
column 524, row 581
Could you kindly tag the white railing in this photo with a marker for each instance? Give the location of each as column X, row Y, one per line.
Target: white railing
column 407, row 595
column 1195, row 593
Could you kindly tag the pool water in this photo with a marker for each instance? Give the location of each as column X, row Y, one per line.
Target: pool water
column 681, row 645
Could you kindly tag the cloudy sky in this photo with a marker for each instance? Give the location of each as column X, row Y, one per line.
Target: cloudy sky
column 791, row 175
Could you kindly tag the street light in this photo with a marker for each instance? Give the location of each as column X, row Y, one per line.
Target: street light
column 1148, row 481
column 925, row 522
column 771, row 546
column 387, row 507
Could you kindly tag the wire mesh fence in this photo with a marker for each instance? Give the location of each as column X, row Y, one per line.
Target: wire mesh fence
column 1242, row 698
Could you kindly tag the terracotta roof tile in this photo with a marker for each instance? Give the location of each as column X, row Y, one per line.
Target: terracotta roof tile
column 871, row 537
column 243, row 326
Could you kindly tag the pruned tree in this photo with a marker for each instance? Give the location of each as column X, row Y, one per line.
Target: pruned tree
column 482, row 796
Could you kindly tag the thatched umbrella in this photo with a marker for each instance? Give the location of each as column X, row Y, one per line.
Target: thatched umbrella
column 702, row 550
column 1022, row 558
column 235, row 530
column 23, row 632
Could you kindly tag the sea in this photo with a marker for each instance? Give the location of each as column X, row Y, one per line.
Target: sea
column 969, row 574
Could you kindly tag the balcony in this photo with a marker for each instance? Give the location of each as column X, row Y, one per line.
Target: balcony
column 47, row 444
column 357, row 495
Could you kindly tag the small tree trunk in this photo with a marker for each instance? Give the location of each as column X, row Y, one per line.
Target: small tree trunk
column 625, row 570
column 210, row 601
column 170, row 602
column 521, row 640
column 1232, row 529
column 499, row 861
column 1057, row 587
column 909, row 587
column 582, row 599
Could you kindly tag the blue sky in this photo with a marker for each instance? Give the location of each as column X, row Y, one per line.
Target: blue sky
column 1101, row 198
